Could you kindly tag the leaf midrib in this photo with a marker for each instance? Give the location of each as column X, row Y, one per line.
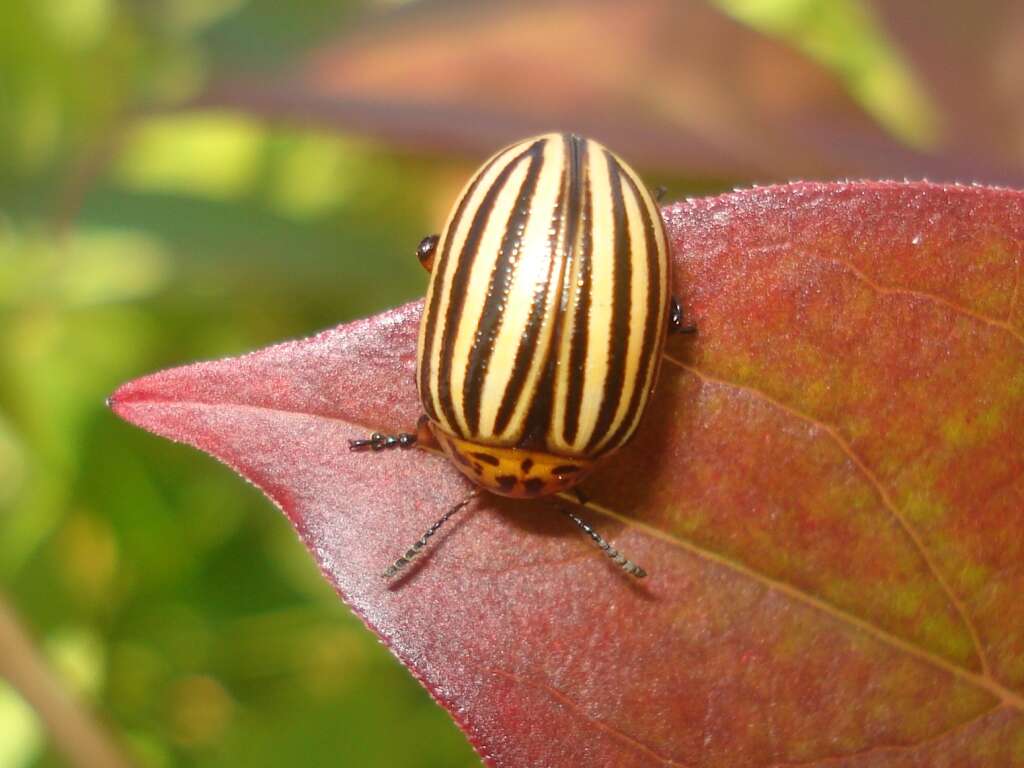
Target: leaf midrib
column 1006, row 696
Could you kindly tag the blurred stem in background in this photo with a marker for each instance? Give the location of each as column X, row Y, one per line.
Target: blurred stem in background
column 76, row 734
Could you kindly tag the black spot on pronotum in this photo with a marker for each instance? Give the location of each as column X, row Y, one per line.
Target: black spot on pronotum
column 564, row 469
column 506, row 482
column 527, row 465
column 486, row 458
column 461, row 458
column 533, row 486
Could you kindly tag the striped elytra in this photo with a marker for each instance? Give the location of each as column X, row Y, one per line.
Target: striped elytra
column 546, row 315
column 543, row 327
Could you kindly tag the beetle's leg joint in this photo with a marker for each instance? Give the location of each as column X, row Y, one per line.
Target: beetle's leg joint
column 380, row 442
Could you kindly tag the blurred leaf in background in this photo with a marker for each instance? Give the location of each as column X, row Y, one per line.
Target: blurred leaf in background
column 192, row 179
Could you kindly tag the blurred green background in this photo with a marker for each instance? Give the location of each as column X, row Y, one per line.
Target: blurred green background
column 141, row 228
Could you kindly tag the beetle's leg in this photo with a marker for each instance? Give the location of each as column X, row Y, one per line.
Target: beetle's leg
column 426, row 249
column 379, row 442
column 581, row 497
column 675, row 319
column 621, row 560
column 416, row 548
column 423, row 437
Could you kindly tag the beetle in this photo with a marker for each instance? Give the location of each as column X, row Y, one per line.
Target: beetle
column 544, row 323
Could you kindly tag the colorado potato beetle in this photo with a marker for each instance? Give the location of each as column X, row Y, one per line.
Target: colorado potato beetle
column 544, row 323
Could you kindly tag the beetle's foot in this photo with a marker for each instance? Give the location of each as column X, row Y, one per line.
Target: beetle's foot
column 675, row 319
column 380, row 442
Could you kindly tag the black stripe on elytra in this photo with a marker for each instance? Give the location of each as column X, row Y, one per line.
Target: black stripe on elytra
column 622, row 276
column 537, row 418
column 537, row 425
column 439, row 268
column 653, row 325
column 460, row 281
column 498, row 289
column 581, row 318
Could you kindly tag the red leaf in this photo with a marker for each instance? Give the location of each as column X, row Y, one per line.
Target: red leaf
column 828, row 495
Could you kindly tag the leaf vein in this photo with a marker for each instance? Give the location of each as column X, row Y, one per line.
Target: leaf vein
column 1015, row 296
column 565, row 700
column 1004, row 325
column 876, row 749
column 1007, row 696
column 873, row 480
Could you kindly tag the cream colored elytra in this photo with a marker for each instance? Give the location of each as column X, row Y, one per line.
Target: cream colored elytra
column 546, row 315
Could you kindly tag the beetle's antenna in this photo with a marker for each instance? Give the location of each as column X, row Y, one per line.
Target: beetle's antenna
column 414, row 550
column 621, row 560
